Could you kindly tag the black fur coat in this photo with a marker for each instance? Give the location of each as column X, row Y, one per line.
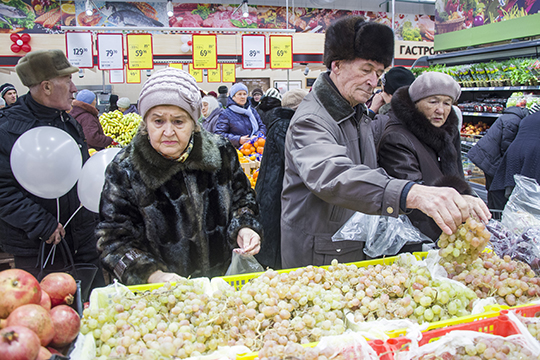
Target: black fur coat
column 412, row 148
column 159, row 214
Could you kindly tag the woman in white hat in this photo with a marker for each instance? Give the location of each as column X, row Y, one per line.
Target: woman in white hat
column 175, row 201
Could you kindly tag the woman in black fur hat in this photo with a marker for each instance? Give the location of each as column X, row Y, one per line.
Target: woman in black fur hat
column 421, row 143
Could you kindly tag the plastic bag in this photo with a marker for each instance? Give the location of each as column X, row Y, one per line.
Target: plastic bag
column 243, row 264
column 383, row 235
column 522, row 210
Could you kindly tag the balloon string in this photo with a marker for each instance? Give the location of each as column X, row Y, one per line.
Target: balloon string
column 76, row 211
column 58, row 210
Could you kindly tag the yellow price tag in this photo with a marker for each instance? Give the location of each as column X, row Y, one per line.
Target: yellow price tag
column 214, row 75
column 177, row 66
column 204, row 51
column 196, row 73
column 133, row 76
column 140, row 53
column 229, row 73
column 281, row 54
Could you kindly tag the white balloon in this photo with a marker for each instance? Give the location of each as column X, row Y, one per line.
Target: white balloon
column 46, row 161
column 185, row 38
column 92, row 178
column 184, row 48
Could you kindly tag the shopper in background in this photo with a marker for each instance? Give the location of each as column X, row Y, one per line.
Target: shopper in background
column 395, row 78
column 85, row 112
column 421, row 143
column 330, row 158
column 175, row 201
column 270, row 100
column 222, row 97
column 239, row 122
column 112, row 102
column 25, row 219
column 488, row 152
column 211, row 110
column 125, row 106
column 522, row 157
column 270, row 179
column 212, row 93
column 8, row 93
column 255, row 97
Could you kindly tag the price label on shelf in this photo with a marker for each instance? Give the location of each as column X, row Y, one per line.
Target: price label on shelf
column 116, row 76
column 133, row 76
column 204, row 51
column 140, row 52
column 281, row 54
column 110, row 51
column 253, row 51
column 214, row 75
column 177, row 66
column 79, row 49
column 196, row 73
column 229, row 73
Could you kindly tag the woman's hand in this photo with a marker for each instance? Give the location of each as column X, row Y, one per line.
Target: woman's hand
column 249, row 241
column 477, row 208
column 161, row 277
column 244, row 139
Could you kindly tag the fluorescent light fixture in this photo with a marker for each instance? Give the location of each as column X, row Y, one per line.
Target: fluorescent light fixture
column 245, row 12
column 89, row 8
column 170, row 12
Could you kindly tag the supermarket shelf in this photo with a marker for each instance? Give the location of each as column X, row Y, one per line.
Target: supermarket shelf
column 483, row 114
column 502, row 88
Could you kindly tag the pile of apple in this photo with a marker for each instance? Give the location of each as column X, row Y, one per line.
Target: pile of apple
column 35, row 319
column 474, row 129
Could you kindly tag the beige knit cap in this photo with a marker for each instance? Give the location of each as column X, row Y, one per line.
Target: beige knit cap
column 171, row 86
column 293, row 98
column 434, row 83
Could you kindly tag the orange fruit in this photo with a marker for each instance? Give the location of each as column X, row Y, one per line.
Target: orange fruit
column 260, row 149
column 262, row 141
column 245, row 151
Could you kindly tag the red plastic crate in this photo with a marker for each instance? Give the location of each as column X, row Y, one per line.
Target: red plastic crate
column 525, row 311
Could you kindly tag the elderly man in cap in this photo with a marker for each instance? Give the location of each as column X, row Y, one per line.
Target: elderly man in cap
column 25, row 219
column 330, row 158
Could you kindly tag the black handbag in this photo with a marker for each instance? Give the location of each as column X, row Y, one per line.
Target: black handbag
column 83, row 273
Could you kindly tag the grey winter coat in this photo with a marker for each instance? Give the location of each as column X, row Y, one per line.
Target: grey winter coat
column 330, row 172
column 160, row 214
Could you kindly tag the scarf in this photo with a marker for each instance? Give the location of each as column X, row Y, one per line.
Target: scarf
column 247, row 112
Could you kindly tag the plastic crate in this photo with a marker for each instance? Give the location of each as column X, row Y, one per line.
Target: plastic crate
column 525, row 310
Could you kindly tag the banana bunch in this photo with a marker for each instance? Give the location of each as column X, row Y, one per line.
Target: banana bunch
column 120, row 127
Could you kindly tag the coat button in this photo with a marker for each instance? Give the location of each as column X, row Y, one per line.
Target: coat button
column 338, row 250
column 389, row 210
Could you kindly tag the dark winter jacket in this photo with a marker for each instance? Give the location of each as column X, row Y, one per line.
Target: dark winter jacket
column 412, row 148
column 86, row 115
column 222, row 99
column 209, row 123
column 269, row 186
column 489, row 150
column 160, row 214
column 522, row 156
column 233, row 126
column 266, row 104
column 25, row 219
column 131, row 109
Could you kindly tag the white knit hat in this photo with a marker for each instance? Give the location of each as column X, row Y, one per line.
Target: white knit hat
column 123, row 102
column 273, row 92
column 171, row 86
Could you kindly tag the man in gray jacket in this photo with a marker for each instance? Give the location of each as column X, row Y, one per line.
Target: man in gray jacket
column 330, row 158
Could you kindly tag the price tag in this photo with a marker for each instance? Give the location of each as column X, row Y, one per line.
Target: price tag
column 204, row 51
column 253, row 51
column 177, row 66
column 229, row 73
column 116, row 76
column 140, row 54
column 133, row 76
column 110, row 51
column 281, row 52
column 214, row 75
column 79, row 47
column 196, row 73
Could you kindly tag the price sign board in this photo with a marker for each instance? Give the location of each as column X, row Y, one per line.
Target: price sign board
column 229, row 73
column 214, row 75
column 79, row 47
column 204, row 51
column 133, row 76
column 196, row 73
column 110, row 51
column 140, row 52
column 281, row 54
column 253, row 51
column 116, row 76
column 177, row 66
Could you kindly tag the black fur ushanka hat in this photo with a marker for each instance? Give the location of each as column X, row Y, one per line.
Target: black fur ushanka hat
column 353, row 37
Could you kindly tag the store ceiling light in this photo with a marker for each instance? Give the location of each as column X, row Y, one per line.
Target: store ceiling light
column 88, row 8
column 245, row 12
column 170, row 12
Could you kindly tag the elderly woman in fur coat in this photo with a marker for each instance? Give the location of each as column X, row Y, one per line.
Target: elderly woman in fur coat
column 175, row 201
column 421, row 143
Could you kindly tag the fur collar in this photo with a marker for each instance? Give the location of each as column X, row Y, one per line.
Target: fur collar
column 86, row 107
column 441, row 140
column 331, row 99
column 155, row 170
